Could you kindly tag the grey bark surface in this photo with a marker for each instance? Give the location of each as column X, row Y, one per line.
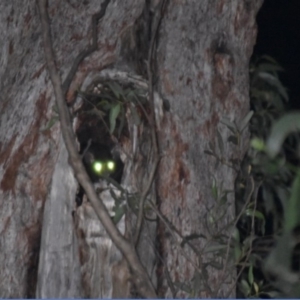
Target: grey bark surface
column 202, row 61
column 202, row 68
column 27, row 153
column 59, row 268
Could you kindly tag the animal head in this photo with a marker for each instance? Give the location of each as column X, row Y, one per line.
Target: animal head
column 99, row 163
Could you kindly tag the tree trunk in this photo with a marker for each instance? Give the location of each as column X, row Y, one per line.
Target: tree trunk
column 202, row 60
column 201, row 73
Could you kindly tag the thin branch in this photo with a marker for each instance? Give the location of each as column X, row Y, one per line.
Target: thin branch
column 156, row 23
column 248, row 199
column 140, row 276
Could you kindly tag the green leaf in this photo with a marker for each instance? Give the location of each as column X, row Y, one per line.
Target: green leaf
column 245, row 287
column 267, row 67
column 115, row 197
column 258, row 144
column 230, row 125
column 55, row 108
column 103, row 103
column 278, row 263
column 237, row 252
column 283, row 194
column 277, row 102
column 250, row 274
column 122, row 121
column 97, row 112
column 258, row 94
column 119, row 213
column 214, row 248
column 280, row 130
column 237, row 247
column 246, row 120
column 220, row 142
column 256, row 287
column 214, row 189
column 236, row 235
column 274, row 81
column 131, row 96
column 292, row 212
column 250, row 212
column 116, row 89
column 257, row 214
column 269, row 58
column 113, row 114
column 51, row 122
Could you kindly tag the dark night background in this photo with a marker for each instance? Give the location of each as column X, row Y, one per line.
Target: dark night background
column 279, row 36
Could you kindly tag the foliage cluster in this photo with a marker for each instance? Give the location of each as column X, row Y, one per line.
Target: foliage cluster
column 267, row 242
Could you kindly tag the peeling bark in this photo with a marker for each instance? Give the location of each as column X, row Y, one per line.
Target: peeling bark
column 59, row 269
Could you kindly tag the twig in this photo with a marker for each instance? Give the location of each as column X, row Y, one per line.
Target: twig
column 86, row 148
column 142, row 201
column 156, row 23
column 171, row 228
column 235, row 224
column 253, row 189
column 140, row 276
column 238, row 275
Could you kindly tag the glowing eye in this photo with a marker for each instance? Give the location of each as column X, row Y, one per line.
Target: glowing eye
column 110, row 165
column 98, row 167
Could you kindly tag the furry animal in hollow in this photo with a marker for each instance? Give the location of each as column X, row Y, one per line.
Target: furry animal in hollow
column 101, row 262
column 100, row 162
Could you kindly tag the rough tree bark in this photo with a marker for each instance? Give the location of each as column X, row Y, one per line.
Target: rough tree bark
column 202, row 61
column 201, row 72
